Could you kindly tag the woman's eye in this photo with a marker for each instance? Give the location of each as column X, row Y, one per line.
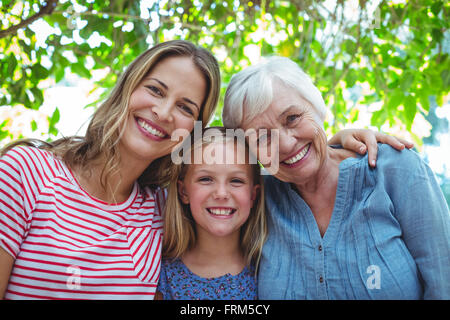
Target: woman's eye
column 186, row 109
column 155, row 90
column 291, row 118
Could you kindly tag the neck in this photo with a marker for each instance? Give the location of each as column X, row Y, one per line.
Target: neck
column 214, row 256
column 320, row 189
column 327, row 172
column 119, row 184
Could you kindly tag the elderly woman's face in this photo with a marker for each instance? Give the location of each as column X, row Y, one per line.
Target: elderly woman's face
column 301, row 141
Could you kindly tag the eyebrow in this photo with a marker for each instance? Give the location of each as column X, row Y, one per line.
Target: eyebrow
column 289, row 109
column 207, row 171
column 160, row 82
column 191, row 102
column 184, row 98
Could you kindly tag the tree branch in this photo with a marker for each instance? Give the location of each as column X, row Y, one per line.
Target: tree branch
column 47, row 9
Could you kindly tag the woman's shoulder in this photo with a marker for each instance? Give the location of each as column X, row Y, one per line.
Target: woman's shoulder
column 30, row 158
column 406, row 160
column 272, row 184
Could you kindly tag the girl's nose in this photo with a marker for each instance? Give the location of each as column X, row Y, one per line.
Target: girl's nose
column 221, row 192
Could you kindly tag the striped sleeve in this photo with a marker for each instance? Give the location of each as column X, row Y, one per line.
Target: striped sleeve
column 19, row 185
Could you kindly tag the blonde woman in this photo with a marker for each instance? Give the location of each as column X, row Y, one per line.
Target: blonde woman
column 80, row 218
column 214, row 226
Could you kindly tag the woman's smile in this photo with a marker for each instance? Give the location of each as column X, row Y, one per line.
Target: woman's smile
column 298, row 158
column 151, row 130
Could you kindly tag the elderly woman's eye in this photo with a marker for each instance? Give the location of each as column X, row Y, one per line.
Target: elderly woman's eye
column 292, row 118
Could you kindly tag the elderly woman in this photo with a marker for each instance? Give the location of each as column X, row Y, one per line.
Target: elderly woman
column 338, row 229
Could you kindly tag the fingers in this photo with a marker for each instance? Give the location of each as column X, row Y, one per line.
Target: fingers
column 392, row 141
column 356, row 146
column 407, row 143
column 397, row 143
column 372, row 148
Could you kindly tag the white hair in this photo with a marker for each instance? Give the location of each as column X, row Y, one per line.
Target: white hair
column 250, row 91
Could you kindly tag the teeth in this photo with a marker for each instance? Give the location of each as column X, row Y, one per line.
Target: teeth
column 150, row 129
column 299, row 155
column 221, row 212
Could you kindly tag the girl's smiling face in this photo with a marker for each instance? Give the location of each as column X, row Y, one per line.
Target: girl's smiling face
column 168, row 98
column 220, row 196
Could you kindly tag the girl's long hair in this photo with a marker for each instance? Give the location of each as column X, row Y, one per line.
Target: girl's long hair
column 179, row 225
column 108, row 122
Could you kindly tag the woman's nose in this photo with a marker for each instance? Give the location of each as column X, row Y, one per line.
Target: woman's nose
column 286, row 142
column 163, row 111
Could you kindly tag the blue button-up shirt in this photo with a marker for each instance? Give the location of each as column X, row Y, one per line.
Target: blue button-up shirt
column 388, row 237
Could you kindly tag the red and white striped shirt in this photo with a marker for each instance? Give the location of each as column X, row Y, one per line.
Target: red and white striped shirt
column 69, row 245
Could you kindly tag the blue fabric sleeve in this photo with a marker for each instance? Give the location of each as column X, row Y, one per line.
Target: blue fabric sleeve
column 163, row 283
column 423, row 214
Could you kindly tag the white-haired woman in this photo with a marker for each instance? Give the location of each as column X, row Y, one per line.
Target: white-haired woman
column 338, row 229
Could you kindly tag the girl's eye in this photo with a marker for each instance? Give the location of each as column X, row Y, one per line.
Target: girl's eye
column 204, row 179
column 237, row 181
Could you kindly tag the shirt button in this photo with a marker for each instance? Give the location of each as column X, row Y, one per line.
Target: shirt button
column 321, row 279
column 320, row 248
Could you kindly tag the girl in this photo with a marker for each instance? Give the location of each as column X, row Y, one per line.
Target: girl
column 214, row 224
column 80, row 218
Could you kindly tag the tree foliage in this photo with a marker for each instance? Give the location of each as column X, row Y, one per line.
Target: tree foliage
column 396, row 52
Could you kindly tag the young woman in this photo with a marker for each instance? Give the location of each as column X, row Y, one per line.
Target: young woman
column 81, row 217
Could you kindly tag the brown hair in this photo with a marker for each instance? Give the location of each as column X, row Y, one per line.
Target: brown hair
column 107, row 124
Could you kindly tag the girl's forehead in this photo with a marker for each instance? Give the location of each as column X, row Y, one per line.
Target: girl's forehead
column 224, row 152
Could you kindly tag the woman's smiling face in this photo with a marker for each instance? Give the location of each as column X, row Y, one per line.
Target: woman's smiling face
column 167, row 99
column 301, row 142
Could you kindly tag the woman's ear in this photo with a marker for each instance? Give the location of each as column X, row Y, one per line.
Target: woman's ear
column 182, row 192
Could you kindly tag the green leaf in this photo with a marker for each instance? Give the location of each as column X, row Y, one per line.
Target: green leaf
column 39, row 71
column 395, row 99
column 33, row 125
column 80, row 69
column 54, row 118
column 410, row 110
column 11, row 65
column 38, row 96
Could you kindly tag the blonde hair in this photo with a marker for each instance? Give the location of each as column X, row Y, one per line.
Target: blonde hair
column 179, row 225
column 107, row 124
column 250, row 91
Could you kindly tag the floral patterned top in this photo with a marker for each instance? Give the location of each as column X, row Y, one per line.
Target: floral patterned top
column 177, row 282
